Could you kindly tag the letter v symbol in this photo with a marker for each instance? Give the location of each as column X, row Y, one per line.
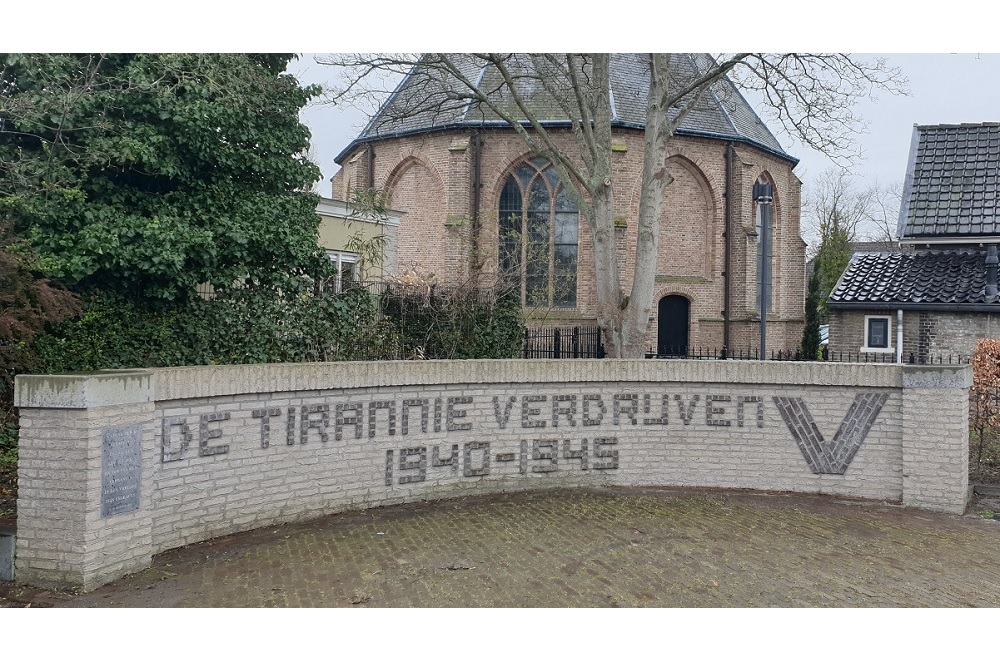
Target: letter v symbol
column 835, row 457
column 503, row 416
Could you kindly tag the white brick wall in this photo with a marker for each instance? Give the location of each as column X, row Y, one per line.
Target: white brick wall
column 227, row 481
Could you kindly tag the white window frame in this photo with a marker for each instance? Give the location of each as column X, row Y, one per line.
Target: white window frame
column 890, row 349
column 339, row 259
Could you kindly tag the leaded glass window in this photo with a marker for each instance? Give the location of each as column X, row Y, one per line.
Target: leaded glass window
column 539, row 235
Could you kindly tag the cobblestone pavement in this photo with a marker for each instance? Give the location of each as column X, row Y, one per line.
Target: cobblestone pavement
column 614, row 548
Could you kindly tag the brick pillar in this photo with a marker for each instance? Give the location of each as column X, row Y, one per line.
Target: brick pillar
column 936, row 437
column 85, row 476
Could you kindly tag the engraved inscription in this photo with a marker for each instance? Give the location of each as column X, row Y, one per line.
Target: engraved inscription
column 587, row 400
column 713, row 412
column 687, row 412
column 341, row 420
column 483, row 450
column 664, row 405
column 450, row 462
column 527, row 412
column 758, row 401
column 569, row 453
column 320, row 422
column 454, row 415
column 121, row 469
column 264, row 415
column 545, row 450
column 413, row 458
column 545, row 418
column 568, row 411
column 390, row 408
column 608, row 457
column 424, row 413
column 173, row 450
column 205, row 434
column 503, row 416
column 626, row 404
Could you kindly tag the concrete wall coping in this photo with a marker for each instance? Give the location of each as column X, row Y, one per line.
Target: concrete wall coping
column 952, row 377
column 196, row 381
column 126, row 387
column 82, row 391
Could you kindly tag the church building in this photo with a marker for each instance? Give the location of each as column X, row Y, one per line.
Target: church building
column 469, row 190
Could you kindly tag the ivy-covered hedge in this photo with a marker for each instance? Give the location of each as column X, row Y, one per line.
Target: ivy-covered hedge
column 249, row 325
column 260, row 324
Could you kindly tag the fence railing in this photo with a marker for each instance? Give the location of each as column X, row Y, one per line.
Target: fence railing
column 796, row 355
column 585, row 343
column 754, row 353
column 563, row 343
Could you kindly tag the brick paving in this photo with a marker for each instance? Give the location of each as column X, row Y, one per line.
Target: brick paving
column 605, row 548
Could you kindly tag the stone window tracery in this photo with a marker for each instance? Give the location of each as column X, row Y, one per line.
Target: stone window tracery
column 538, row 235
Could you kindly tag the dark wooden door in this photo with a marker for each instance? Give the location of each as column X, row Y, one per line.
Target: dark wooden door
column 672, row 320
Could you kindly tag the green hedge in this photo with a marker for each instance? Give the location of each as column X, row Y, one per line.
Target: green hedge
column 259, row 324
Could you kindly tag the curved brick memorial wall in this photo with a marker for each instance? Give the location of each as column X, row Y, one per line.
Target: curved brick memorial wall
column 116, row 467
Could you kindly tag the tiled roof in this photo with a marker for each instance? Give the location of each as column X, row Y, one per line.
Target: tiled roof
column 420, row 102
column 951, row 187
column 860, row 247
column 927, row 277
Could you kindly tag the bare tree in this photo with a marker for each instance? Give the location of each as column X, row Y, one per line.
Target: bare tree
column 811, row 95
column 834, row 205
column 834, row 209
column 881, row 223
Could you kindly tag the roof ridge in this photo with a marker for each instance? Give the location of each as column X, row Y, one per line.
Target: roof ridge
column 991, row 123
column 711, row 91
column 479, row 81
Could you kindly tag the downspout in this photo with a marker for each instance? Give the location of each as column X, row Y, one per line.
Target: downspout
column 899, row 336
column 990, row 293
column 476, row 143
column 370, row 155
column 727, row 266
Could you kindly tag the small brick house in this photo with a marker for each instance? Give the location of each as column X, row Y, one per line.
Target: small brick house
column 467, row 184
column 933, row 298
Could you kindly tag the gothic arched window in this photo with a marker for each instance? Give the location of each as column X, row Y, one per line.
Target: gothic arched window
column 538, row 234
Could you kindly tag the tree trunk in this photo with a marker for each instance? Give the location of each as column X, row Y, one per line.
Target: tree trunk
column 634, row 311
column 609, row 290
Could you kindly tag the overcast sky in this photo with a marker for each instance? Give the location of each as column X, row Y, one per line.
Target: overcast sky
column 945, row 87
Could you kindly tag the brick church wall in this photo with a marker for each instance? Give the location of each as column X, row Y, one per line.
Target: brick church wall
column 429, row 177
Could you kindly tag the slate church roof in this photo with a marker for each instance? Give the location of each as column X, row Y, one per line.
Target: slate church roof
column 926, row 280
column 952, row 187
column 421, row 104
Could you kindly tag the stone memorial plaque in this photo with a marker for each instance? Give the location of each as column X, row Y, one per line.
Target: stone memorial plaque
column 121, row 469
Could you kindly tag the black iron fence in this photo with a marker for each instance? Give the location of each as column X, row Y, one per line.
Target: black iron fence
column 563, row 343
column 585, row 343
column 754, row 353
column 796, row 355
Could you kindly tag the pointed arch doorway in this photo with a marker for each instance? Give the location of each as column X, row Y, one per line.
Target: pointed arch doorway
column 672, row 326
